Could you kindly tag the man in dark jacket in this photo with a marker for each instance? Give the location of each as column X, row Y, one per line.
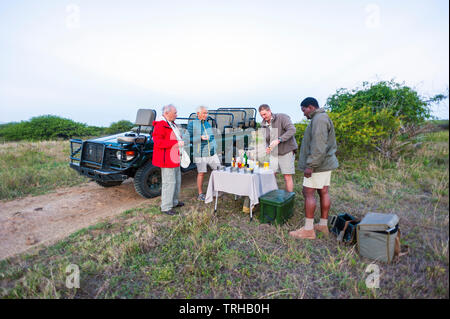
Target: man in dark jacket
column 166, row 154
column 280, row 143
column 317, row 159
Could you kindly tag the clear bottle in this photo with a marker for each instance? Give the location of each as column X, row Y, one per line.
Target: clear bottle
column 256, row 169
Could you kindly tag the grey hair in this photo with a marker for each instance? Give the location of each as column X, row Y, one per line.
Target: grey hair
column 167, row 108
column 200, row 108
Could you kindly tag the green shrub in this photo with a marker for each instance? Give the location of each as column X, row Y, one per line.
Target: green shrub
column 400, row 99
column 46, row 127
column 300, row 131
column 359, row 131
column 120, row 126
column 384, row 117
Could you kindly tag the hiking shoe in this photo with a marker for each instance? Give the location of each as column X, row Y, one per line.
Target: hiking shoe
column 180, row 204
column 170, row 212
column 323, row 229
column 302, row 233
column 201, row 197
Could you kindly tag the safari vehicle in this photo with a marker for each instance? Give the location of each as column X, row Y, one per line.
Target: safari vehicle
column 110, row 160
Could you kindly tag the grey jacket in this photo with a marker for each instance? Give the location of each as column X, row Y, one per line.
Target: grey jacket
column 319, row 146
column 285, row 131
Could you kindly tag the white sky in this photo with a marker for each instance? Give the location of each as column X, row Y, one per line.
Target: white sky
column 97, row 62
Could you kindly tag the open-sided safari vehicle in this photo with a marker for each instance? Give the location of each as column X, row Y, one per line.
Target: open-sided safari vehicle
column 112, row 159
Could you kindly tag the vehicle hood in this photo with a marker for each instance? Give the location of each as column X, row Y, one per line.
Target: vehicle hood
column 112, row 139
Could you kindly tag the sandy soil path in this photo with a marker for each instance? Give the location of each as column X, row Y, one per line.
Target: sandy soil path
column 31, row 221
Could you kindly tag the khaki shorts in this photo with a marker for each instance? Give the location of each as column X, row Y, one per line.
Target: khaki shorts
column 317, row 180
column 203, row 162
column 285, row 163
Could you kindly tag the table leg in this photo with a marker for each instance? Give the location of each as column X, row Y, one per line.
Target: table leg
column 251, row 215
column 215, row 206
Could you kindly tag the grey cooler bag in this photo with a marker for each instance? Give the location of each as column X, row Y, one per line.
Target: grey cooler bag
column 377, row 236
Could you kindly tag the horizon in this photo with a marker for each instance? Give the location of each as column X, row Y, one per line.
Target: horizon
column 26, row 120
column 97, row 63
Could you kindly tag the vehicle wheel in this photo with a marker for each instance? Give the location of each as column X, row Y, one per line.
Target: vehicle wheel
column 148, row 181
column 109, row 184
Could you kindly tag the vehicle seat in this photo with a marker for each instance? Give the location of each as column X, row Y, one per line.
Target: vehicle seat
column 144, row 121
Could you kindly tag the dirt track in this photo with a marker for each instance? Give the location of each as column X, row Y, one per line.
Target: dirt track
column 31, row 221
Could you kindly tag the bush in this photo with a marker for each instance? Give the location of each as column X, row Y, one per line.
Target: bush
column 300, row 131
column 384, row 117
column 120, row 126
column 401, row 100
column 359, row 131
column 45, row 127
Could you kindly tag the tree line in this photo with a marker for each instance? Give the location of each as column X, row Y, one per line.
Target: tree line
column 51, row 127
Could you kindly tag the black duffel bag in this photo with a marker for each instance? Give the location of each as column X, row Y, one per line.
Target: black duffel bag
column 344, row 227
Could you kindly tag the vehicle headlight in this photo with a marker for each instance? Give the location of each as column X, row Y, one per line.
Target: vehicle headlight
column 126, row 156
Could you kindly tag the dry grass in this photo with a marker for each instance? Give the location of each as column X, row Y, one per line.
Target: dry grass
column 32, row 168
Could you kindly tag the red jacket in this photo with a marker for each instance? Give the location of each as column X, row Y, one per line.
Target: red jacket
column 165, row 146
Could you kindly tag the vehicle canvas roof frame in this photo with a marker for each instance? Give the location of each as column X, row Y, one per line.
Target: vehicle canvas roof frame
column 251, row 114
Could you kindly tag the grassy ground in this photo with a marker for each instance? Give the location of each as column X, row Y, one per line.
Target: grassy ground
column 144, row 254
column 34, row 168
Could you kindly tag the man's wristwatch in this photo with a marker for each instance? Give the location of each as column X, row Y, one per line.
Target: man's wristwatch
column 279, row 139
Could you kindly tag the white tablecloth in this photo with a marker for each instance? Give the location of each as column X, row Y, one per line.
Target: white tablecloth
column 243, row 184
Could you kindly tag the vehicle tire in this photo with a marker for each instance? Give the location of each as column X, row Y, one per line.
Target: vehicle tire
column 148, row 181
column 109, row 184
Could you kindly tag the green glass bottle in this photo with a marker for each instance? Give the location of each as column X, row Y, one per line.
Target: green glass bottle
column 245, row 159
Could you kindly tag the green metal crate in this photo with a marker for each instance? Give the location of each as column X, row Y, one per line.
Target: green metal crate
column 277, row 206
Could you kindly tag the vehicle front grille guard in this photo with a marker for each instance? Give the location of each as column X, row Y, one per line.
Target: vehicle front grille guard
column 99, row 166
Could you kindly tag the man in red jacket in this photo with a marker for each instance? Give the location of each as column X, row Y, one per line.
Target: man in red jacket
column 167, row 142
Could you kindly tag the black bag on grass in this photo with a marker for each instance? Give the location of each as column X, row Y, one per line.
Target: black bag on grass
column 344, row 227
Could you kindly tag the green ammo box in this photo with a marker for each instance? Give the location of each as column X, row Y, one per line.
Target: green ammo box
column 277, row 206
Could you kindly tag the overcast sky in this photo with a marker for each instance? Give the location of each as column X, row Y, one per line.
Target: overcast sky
column 97, row 62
